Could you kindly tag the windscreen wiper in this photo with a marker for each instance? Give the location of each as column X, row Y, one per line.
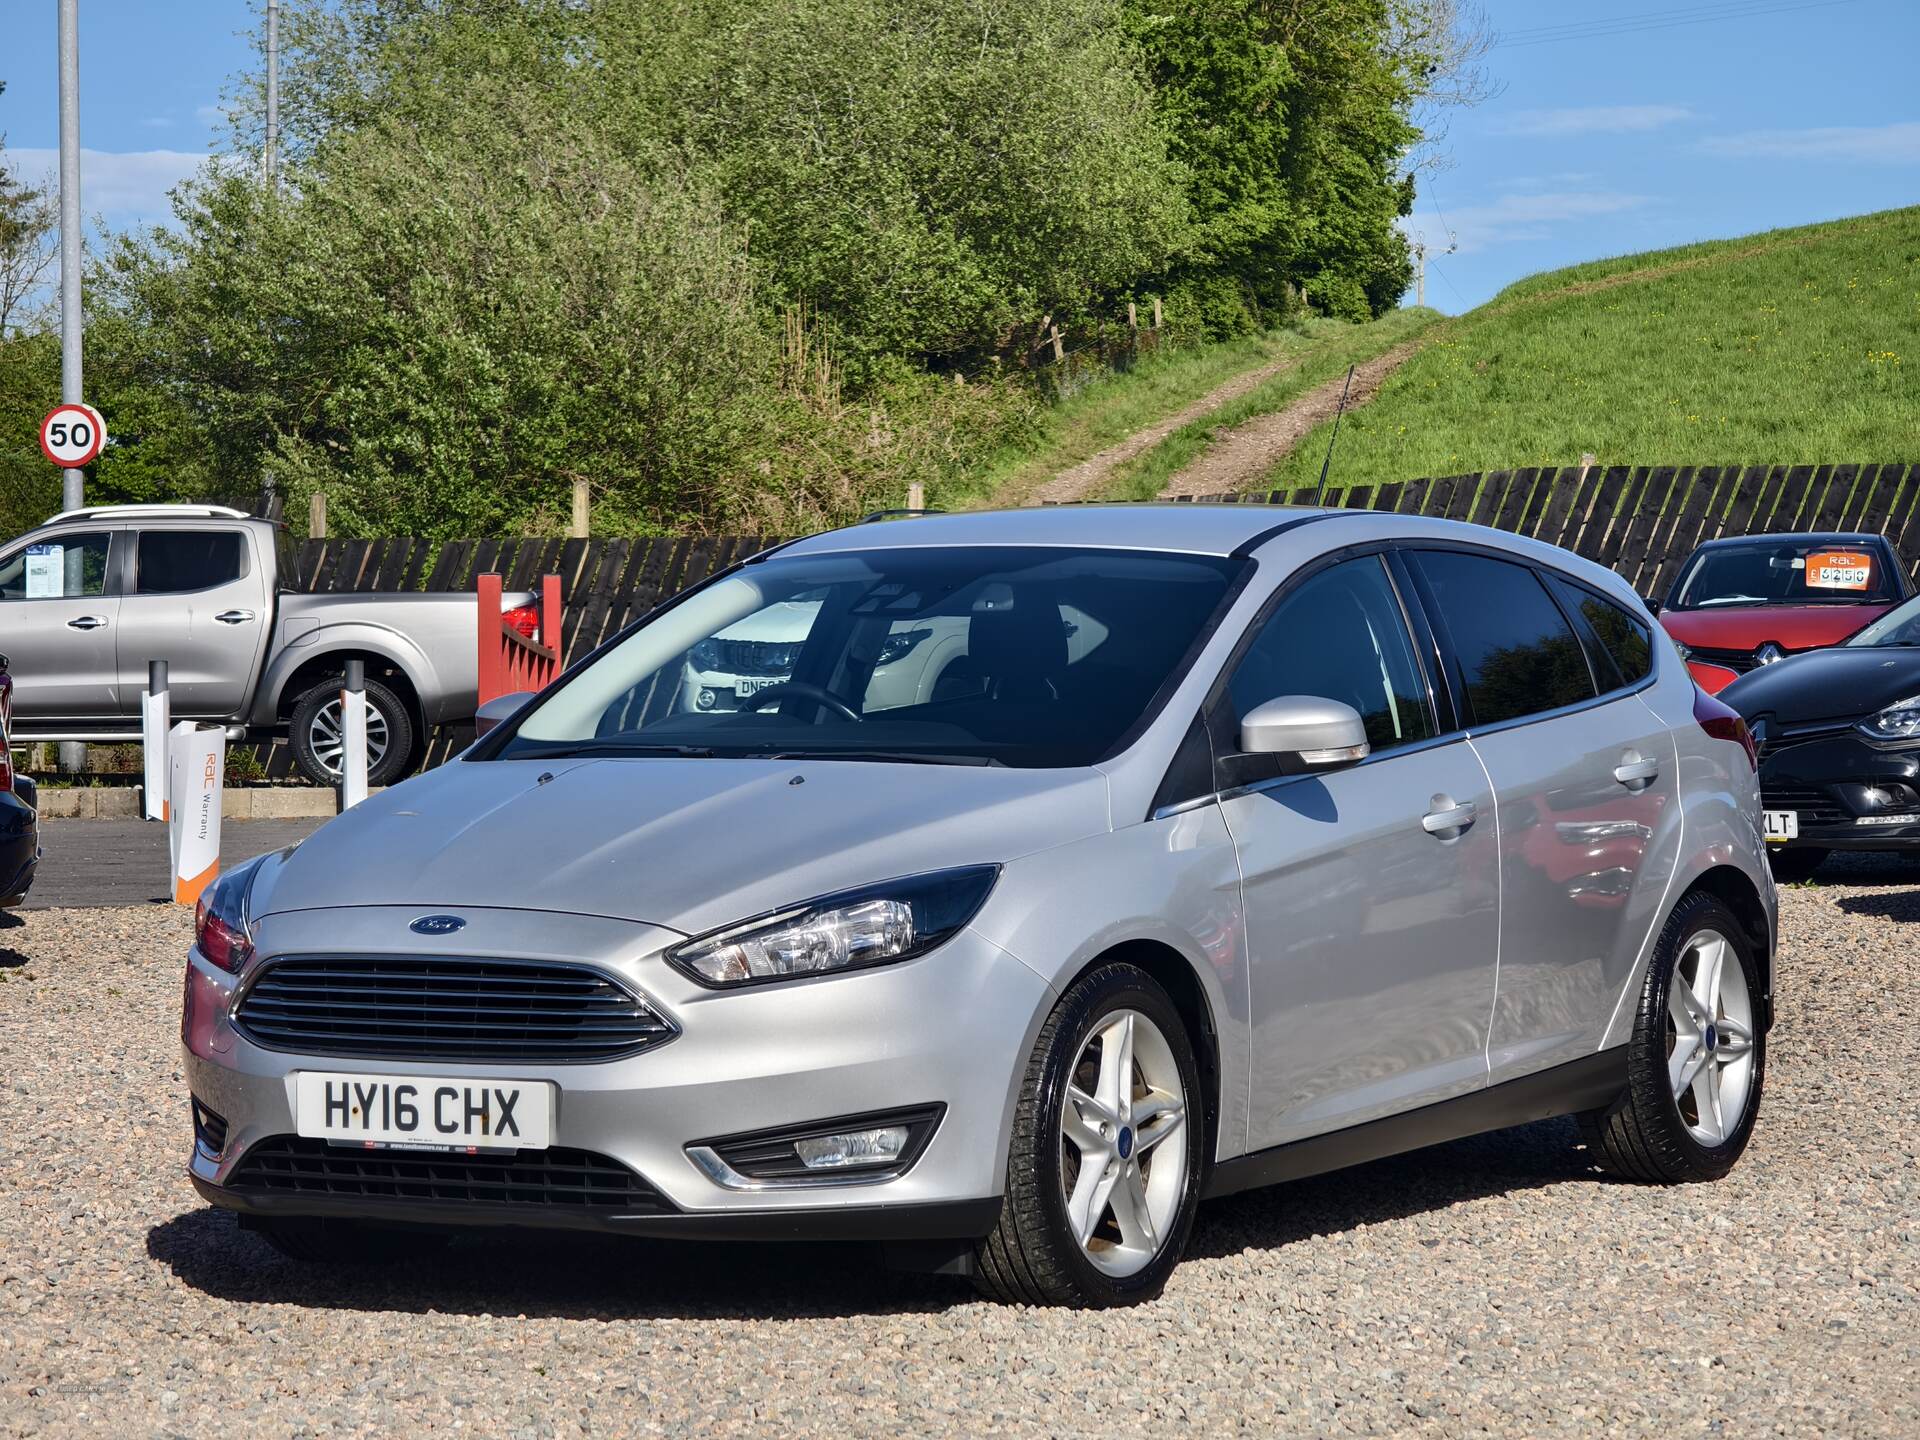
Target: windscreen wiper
column 575, row 749
column 904, row 757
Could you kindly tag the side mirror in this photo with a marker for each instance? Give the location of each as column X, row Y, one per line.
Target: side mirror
column 497, row 709
column 1306, row 732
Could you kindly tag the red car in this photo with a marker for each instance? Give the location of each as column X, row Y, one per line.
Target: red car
column 1749, row 600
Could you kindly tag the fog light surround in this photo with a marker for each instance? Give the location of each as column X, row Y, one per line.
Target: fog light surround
column 845, row 1150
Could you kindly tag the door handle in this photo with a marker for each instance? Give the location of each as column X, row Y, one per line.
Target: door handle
column 234, row 617
column 86, row 622
column 1447, row 817
column 1637, row 774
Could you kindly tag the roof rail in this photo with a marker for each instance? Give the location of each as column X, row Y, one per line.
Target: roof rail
column 102, row 512
column 868, row 519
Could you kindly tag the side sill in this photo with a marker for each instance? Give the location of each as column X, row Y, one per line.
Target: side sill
column 1584, row 1084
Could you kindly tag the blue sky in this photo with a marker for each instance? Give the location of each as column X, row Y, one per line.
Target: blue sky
column 1630, row 133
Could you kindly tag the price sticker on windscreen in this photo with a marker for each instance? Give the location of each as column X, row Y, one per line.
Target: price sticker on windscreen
column 1839, row 570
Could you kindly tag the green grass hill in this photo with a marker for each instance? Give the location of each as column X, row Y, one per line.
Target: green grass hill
column 1794, row 346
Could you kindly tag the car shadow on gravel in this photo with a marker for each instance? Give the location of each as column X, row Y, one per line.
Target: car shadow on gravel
column 1530, row 1157
column 11, row 959
column 553, row 1274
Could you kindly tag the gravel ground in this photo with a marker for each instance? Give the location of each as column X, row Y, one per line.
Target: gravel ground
column 1491, row 1286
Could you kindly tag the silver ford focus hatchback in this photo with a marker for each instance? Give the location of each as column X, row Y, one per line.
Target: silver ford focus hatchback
column 1223, row 845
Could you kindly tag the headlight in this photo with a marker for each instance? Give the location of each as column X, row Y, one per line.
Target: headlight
column 1899, row 721
column 899, row 645
column 220, row 925
column 851, row 930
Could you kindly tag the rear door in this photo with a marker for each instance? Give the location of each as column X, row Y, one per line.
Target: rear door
column 1372, row 926
column 1584, row 775
column 196, row 598
column 59, row 623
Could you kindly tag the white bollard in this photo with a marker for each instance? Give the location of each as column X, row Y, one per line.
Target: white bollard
column 353, row 736
column 197, row 760
column 155, row 722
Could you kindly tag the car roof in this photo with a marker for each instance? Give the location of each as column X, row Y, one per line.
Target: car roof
column 1187, row 529
column 1818, row 537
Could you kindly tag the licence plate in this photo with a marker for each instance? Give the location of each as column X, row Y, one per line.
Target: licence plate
column 424, row 1110
column 745, row 685
column 1780, row 824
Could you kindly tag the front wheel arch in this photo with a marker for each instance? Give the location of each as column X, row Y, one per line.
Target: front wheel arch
column 1174, row 973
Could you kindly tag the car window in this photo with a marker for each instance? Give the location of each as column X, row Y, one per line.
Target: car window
column 172, row 562
column 1517, row 653
column 1023, row 655
column 67, row 568
column 1622, row 644
column 1792, row 571
column 1341, row 635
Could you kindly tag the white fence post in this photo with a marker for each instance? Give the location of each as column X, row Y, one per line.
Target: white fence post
column 155, row 722
column 353, row 737
column 197, row 760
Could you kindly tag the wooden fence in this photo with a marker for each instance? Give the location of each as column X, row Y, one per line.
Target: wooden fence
column 1642, row 521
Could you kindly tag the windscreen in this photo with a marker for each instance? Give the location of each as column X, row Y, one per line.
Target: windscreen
column 1785, row 572
column 1898, row 627
column 1022, row 656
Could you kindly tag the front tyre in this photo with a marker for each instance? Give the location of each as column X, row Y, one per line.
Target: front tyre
column 1108, row 1148
column 318, row 744
column 1697, row 1060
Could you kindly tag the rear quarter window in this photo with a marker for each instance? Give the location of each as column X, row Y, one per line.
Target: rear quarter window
column 1517, row 654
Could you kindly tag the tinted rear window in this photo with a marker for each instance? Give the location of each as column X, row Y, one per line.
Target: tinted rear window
column 1622, row 642
column 1518, row 654
column 171, row 562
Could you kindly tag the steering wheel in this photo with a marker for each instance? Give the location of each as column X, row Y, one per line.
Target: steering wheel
column 800, row 689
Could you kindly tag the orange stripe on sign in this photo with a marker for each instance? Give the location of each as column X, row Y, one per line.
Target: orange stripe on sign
column 187, row 891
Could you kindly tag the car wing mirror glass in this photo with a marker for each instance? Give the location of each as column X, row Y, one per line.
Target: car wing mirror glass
column 497, row 709
column 1307, row 732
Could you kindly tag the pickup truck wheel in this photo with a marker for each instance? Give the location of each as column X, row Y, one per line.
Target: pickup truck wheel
column 317, row 746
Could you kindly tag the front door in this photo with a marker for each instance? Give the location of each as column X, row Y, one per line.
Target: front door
column 59, row 628
column 1371, row 892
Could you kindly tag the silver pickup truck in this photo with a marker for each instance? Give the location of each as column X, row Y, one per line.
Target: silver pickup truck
column 87, row 599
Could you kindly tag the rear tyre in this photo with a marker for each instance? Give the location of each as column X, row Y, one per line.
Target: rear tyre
column 1697, row 1061
column 1104, row 1169
column 317, row 746
column 314, row 1240
column 1790, row 867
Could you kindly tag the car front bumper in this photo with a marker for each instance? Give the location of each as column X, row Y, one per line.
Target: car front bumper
column 19, row 844
column 952, row 1028
column 1827, row 783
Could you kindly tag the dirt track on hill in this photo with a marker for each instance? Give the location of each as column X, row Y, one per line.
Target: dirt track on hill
column 1241, row 458
column 1089, row 479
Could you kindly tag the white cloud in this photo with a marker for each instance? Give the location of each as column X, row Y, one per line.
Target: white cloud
column 1590, row 120
column 1895, row 144
column 1510, row 218
column 123, row 187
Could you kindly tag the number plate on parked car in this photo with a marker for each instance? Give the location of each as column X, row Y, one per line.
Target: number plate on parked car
column 424, row 1110
column 1781, row 824
column 745, row 685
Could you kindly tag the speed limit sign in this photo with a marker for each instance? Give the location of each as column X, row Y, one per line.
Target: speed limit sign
column 71, row 436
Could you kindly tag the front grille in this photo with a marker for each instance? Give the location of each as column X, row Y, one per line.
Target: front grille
column 1773, row 741
column 748, row 657
column 1737, row 660
column 580, row 1179
column 427, row 1008
column 1816, row 807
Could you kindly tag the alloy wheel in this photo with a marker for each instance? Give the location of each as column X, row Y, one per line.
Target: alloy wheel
column 329, row 744
column 1710, row 1049
column 1121, row 1183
